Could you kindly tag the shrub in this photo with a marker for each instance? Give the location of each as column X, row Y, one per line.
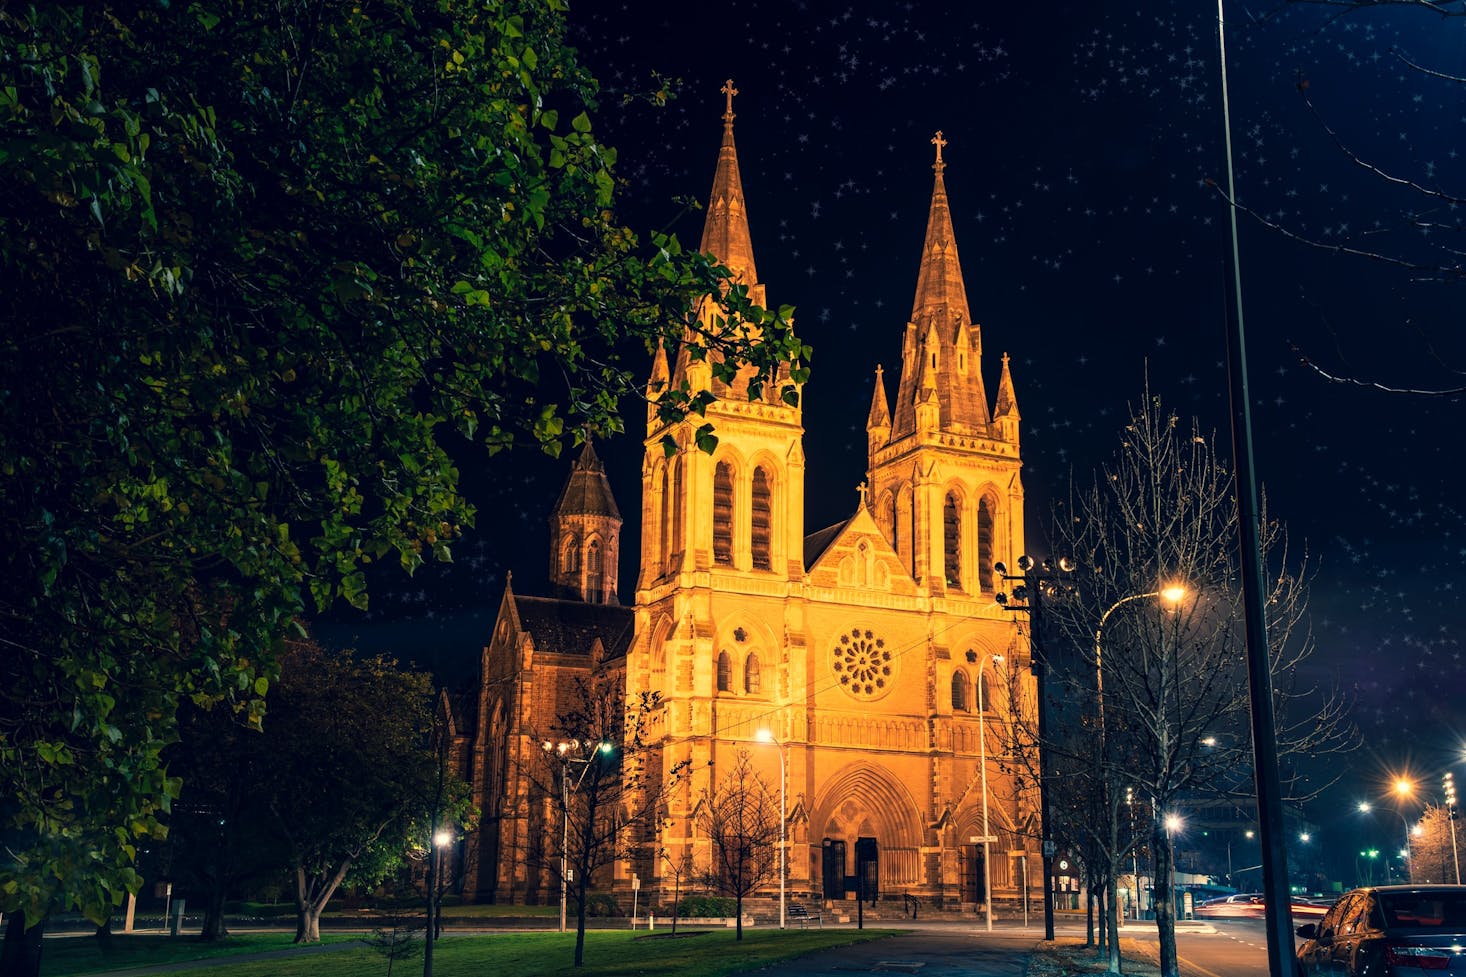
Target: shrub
column 707, row 906
column 602, row 904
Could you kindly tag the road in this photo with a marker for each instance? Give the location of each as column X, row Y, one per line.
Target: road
column 1221, row 948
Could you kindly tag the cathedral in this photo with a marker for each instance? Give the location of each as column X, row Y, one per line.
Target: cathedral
column 869, row 662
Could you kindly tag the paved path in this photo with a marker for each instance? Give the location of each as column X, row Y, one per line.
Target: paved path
column 940, row 950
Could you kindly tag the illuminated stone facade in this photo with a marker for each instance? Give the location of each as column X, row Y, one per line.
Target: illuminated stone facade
column 859, row 646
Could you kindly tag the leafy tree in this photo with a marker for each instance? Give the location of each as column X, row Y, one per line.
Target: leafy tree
column 740, row 818
column 353, row 770
column 1175, row 707
column 263, row 263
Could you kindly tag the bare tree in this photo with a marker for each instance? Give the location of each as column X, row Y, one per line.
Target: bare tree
column 603, row 779
column 1418, row 227
column 1434, row 851
column 1149, row 645
column 740, row 818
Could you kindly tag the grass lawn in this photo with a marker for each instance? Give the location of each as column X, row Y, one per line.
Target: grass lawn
column 88, row 955
column 607, row 954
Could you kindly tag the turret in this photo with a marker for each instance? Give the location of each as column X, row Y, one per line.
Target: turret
column 585, row 534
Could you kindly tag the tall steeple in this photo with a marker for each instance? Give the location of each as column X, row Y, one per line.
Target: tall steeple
column 942, row 348
column 725, row 234
column 939, row 287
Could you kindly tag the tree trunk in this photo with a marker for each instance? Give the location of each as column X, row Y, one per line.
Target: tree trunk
column 20, row 954
column 1112, row 922
column 214, row 928
column 738, row 907
column 1165, row 903
column 1089, row 914
column 311, row 902
column 582, row 883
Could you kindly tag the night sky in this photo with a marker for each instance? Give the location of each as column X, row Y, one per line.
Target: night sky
column 1081, row 139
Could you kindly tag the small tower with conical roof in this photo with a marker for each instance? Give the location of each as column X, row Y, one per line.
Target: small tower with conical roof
column 944, row 478
column 585, row 534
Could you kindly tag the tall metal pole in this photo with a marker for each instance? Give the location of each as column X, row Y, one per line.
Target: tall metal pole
column 1040, row 666
column 767, row 736
column 982, row 754
column 564, row 838
column 1276, row 904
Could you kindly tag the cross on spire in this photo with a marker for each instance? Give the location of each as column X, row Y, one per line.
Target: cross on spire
column 937, row 141
column 730, row 91
column 864, row 491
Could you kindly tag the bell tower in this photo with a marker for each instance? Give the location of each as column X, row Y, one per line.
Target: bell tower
column 943, row 468
column 740, row 510
column 585, row 534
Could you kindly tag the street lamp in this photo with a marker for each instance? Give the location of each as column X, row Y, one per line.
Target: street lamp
column 1448, row 785
column 561, row 750
column 1172, row 595
column 1173, row 824
column 441, row 839
column 767, row 736
column 1028, row 598
column 982, row 753
column 1406, row 788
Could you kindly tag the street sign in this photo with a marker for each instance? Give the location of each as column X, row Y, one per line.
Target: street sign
column 979, row 839
column 1050, row 848
column 635, row 883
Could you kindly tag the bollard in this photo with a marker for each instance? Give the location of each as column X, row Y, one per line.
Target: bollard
column 175, row 918
column 651, row 922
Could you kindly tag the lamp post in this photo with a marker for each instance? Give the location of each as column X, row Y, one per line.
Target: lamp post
column 1173, row 595
column 1448, row 785
column 561, row 750
column 1406, row 788
column 1029, row 595
column 767, row 736
column 442, row 838
column 982, row 755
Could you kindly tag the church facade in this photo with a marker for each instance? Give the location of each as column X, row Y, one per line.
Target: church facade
column 872, row 655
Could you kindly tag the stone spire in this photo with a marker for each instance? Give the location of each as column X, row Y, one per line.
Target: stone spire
column 942, row 349
column 880, row 415
column 1005, row 412
column 939, row 287
column 725, row 234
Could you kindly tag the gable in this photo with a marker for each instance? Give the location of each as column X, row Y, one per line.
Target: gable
column 859, row 557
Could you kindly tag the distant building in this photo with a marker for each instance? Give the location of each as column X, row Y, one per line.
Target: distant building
column 865, row 647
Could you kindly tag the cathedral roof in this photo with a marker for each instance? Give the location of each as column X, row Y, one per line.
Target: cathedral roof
column 942, row 347
column 570, row 627
column 587, row 491
column 816, row 543
column 725, row 234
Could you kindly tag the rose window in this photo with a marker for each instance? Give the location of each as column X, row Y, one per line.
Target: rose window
column 863, row 664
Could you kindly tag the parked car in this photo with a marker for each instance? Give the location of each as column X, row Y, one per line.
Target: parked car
column 1389, row 931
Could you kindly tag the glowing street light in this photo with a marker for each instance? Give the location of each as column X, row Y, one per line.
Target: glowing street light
column 562, row 751
column 982, row 759
column 767, row 736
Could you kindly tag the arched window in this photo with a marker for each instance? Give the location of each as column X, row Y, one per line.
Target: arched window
column 905, row 530
column 763, row 520
column 959, row 692
column 723, row 513
column 752, row 680
column 570, row 557
column 886, row 517
column 595, row 580
column 985, row 692
column 725, row 672
column 677, row 506
column 952, row 540
column 985, row 522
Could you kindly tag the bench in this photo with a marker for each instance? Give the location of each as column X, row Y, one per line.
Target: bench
column 804, row 916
